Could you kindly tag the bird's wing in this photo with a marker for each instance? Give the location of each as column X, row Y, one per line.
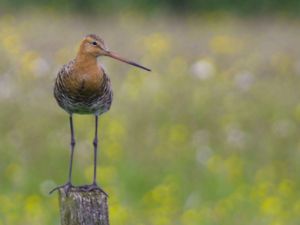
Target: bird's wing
column 67, row 68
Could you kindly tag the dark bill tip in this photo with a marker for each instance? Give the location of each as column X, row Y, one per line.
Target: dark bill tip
column 137, row 65
column 115, row 56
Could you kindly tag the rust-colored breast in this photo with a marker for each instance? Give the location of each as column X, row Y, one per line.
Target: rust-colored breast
column 85, row 80
column 83, row 88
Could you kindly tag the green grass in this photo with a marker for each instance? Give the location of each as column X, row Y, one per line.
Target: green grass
column 210, row 137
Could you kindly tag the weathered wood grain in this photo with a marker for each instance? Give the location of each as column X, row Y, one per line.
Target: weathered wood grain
column 83, row 208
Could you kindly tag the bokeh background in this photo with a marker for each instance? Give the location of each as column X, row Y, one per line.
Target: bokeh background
column 210, row 137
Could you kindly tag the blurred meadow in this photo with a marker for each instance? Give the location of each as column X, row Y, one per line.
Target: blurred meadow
column 210, row 137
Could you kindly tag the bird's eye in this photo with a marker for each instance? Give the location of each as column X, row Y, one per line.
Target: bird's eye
column 94, row 43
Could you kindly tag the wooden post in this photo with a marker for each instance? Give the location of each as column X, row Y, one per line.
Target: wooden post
column 83, row 208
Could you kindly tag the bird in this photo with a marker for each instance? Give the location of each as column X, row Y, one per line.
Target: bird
column 83, row 87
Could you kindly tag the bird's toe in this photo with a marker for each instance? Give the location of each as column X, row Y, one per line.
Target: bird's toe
column 67, row 186
column 92, row 187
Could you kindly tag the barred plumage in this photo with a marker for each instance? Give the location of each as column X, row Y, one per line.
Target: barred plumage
column 79, row 100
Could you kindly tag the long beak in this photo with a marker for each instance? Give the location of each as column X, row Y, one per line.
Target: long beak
column 115, row 56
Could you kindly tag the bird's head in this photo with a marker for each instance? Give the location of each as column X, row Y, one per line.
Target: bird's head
column 94, row 46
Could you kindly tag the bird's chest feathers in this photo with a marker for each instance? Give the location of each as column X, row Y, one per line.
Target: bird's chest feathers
column 86, row 80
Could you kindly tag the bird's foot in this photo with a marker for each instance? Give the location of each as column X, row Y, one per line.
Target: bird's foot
column 67, row 186
column 91, row 187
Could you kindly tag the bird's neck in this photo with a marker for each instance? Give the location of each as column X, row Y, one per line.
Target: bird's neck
column 86, row 63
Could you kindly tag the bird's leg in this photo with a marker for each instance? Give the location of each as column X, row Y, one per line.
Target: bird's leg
column 72, row 150
column 68, row 185
column 94, row 185
column 95, row 144
column 72, row 144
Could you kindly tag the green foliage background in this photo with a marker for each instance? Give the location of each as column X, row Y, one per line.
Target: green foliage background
column 210, row 136
column 188, row 6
